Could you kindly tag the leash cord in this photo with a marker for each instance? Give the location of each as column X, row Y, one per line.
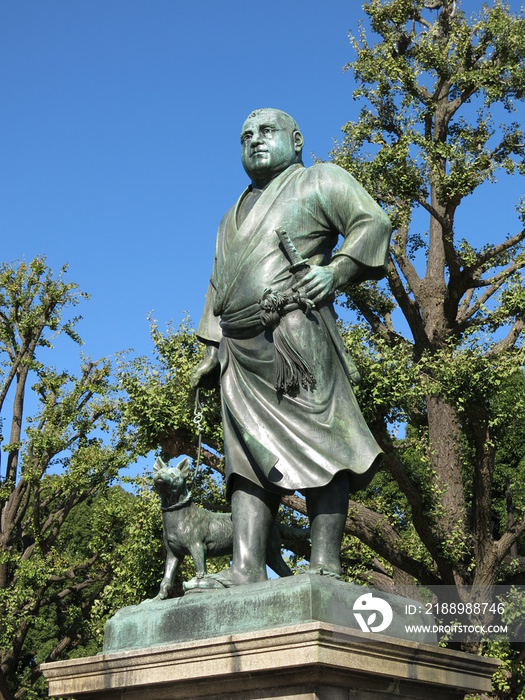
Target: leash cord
column 197, row 420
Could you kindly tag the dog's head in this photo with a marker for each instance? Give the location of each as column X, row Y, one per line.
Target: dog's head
column 171, row 482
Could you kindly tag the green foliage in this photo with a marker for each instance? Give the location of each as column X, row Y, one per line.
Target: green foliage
column 137, row 563
column 161, row 402
column 415, row 81
column 508, row 682
column 56, row 553
column 31, row 298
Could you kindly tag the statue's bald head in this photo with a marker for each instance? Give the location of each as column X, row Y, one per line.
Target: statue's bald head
column 270, row 142
column 285, row 119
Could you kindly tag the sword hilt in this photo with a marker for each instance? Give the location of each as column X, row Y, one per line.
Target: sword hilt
column 290, row 250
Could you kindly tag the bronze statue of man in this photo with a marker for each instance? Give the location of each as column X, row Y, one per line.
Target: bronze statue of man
column 291, row 421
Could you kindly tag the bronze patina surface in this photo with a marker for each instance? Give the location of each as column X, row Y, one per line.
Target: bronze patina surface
column 291, row 420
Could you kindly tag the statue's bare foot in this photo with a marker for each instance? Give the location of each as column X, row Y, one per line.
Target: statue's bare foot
column 222, row 579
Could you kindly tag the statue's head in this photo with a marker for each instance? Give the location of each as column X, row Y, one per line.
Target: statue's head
column 270, row 143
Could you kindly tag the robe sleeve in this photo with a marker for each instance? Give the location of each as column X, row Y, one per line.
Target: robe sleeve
column 365, row 227
column 209, row 329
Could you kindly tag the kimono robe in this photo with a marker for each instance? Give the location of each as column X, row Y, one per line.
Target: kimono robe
column 301, row 439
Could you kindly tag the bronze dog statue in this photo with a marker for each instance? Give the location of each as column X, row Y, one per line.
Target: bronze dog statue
column 191, row 530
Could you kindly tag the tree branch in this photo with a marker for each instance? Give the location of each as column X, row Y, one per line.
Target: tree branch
column 422, row 523
column 509, row 340
column 14, row 510
column 67, row 641
column 483, row 258
column 376, row 324
column 508, row 538
column 431, row 210
column 495, row 283
column 377, row 533
column 408, row 306
column 73, row 571
column 466, row 301
column 400, row 252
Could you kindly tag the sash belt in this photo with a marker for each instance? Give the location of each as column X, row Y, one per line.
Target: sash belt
column 291, row 369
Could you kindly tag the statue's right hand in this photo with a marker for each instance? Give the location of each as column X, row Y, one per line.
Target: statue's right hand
column 206, row 373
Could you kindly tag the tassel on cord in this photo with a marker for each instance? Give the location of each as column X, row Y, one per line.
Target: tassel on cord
column 291, row 370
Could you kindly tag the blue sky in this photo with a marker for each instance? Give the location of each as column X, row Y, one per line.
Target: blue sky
column 119, row 139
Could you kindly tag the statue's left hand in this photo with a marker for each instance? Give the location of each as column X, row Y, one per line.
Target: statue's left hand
column 317, row 284
column 206, row 373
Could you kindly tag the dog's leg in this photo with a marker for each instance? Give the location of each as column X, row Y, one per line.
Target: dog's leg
column 172, row 564
column 198, row 554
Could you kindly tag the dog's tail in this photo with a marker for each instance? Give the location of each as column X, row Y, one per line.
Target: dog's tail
column 295, row 538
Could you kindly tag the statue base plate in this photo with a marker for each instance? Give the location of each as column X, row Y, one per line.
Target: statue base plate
column 258, row 606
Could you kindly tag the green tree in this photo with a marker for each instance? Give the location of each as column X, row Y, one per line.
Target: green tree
column 160, row 409
column 123, row 531
column 58, row 461
column 161, row 403
column 440, row 345
column 423, row 143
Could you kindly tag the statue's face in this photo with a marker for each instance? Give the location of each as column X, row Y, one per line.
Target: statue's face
column 268, row 146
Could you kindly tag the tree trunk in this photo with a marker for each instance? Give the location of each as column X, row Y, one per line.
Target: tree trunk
column 486, row 554
column 16, row 423
column 5, row 693
column 444, row 434
column 12, row 465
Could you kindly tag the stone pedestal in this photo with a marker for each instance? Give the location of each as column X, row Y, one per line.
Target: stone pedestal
column 312, row 661
column 253, row 608
column 290, row 639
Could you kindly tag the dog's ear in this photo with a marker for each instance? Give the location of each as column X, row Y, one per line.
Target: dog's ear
column 184, row 467
column 159, row 464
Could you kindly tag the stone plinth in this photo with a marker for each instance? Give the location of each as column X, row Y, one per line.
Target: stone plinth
column 310, row 661
column 251, row 608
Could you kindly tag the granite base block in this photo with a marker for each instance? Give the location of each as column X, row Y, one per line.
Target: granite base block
column 312, row 661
